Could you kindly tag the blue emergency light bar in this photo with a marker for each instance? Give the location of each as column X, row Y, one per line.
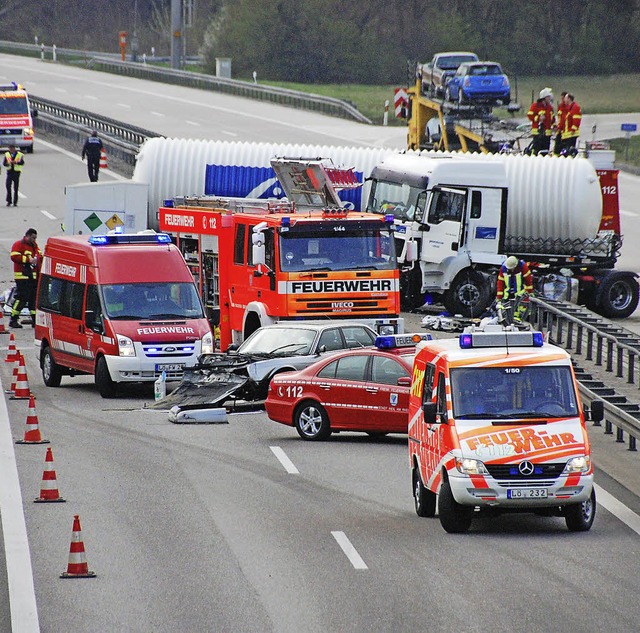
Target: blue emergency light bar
column 472, row 340
column 285, row 220
column 389, row 218
column 391, row 341
column 130, row 238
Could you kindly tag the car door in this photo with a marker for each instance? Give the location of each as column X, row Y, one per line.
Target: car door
column 341, row 387
column 389, row 401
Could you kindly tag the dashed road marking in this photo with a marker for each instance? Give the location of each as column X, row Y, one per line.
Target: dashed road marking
column 349, row 550
column 618, row 509
column 288, row 465
column 48, row 215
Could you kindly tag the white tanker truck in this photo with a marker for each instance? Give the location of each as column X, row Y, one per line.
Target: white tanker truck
column 457, row 216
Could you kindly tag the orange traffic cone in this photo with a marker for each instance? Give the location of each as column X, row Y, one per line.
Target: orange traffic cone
column 103, row 159
column 3, row 329
column 12, row 352
column 32, row 434
column 14, row 377
column 49, row 488
column 22, row 384
column 77, row 567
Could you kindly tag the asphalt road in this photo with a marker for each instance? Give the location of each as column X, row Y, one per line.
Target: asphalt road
column 244, row 527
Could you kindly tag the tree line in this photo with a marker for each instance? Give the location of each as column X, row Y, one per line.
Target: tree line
column 333, row 41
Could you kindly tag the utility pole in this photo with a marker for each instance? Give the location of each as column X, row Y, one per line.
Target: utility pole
column 176, row 33
column 134, row 39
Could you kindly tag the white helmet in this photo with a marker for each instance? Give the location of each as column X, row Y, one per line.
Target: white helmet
column 511, row 262
column 546, row 92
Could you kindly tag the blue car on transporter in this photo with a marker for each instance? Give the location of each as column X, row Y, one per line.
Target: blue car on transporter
column 479, row 82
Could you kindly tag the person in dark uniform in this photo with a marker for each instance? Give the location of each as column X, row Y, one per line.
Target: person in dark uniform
column 92, row 149
column 13, row 161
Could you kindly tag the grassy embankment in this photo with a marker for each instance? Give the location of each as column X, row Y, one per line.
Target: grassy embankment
column 596, row 95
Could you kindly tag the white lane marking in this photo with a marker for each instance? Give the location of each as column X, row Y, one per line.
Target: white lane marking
column 284, row 460
column 91, row 97
column 21, row 195
column 228, row 133
column 629, row 214
column 349, row 550
column 124, row 105
column 192, row 123
column 61, row 90
column 22, row 595
column 48, row 215
column 77, row 157
column 618, row 509
column 156, row 113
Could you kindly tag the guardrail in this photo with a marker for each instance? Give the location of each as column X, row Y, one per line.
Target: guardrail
column 609, row 347
column 111, row 63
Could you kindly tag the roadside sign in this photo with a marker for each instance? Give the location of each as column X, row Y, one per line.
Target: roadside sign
column 629, row 127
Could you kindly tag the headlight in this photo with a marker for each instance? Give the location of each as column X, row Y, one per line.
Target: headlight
column 125, row 346
column 471, row 466
column 207, row 344
column 580, row 464
column 387, row 329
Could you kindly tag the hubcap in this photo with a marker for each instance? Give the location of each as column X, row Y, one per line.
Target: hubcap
column 620, row 295
column 310, row 421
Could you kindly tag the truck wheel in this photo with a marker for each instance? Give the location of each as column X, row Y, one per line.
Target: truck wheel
column 106, row 386
column 469, row 294
column 51, row 372
column 579, row 517
column 618, row 297
column 311, row 421
column 423, row 499
column 454, row 518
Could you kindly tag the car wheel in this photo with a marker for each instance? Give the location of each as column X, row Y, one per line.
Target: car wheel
column 51, row 371
column 311, row 421
column 579, row 517
column 424, row 500
column 454, row 518
column 106, row 386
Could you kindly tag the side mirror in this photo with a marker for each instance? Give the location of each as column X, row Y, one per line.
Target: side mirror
column 596, row 414
column 232, row 348
column 34, row 113
column 412, row 251
column 404, row 381
column 322, row 349
column 429, row 410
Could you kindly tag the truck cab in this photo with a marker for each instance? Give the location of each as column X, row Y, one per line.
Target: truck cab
column 496, row 425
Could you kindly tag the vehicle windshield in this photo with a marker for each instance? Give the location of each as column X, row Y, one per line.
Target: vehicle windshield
column 368, row 249
column 451, row 63
column 280, row 341
column 13, row 105
column 393, row 197
column 151, row 301
column 508, row 393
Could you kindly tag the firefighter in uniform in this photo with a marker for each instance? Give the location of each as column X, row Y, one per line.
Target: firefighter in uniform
column 92, row 149
column 571, row 125
column 26, row 258
column 542, row 119
column 561, row 114
column 13, row 161
column 514, row 280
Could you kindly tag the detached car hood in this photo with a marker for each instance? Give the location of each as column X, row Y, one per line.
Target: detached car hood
column 219, row 377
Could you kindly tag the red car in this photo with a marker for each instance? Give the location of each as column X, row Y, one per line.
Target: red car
column 355, row 390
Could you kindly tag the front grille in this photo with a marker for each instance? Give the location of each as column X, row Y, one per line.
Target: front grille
column 168, row 350
column 511, row 472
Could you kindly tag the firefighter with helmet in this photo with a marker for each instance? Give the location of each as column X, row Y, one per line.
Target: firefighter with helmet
column 514, row 280
column 542, row 119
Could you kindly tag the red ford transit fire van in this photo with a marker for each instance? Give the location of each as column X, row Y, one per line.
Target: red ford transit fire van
column 496, row 425
column 123, row 307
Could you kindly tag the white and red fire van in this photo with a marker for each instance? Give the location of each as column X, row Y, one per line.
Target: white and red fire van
column 123, row 307
column 16, row 117
column 496, row 425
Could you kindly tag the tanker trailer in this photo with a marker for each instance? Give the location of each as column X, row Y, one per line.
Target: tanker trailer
column 458, row 216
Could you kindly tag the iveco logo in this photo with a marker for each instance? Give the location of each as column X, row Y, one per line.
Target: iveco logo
column 169, row 349
column 526, row 468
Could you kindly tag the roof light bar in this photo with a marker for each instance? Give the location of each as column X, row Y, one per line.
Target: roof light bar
column 391, row 341
column 129, row 238
column 472, row 340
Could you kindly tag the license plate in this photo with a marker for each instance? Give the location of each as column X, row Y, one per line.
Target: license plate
column 170, row 367
column 527, row 493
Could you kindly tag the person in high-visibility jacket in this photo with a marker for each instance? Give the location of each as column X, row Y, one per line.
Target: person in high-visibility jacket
column 26, row 258
column 561, row 115
column 13, row 161
column 542, row 120
column 514, row 280
column 571, row 125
